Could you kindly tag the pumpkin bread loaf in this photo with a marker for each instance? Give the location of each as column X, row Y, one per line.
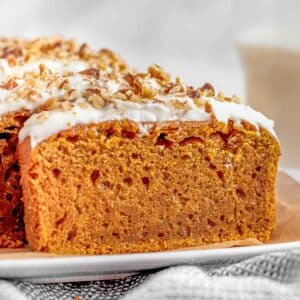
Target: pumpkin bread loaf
column 149, row 165
column 27, row 68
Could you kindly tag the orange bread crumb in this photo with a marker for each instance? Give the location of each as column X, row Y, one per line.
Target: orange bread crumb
column 106, row 188
column 17, row 53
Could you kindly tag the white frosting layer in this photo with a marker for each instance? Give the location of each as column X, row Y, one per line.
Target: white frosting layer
column 9, row 99
column 5, row 69
column 225, row 111
column 56, row 66
column 56, row 121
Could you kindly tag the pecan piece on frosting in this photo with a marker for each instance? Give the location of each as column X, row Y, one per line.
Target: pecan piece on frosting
column 159, row 73
column 91, row 72
column 207, row 90
column 9, row 85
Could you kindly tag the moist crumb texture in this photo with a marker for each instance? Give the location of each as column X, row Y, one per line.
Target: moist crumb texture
column 110, row 188
column 11, row 207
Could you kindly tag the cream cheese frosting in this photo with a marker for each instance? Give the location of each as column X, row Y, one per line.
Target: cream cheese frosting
column 56, row 121
column 56, row 66
column 225, row 111
column 22, row 97
column 32, row 90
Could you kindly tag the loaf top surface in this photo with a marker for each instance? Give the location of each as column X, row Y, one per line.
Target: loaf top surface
column 20, row 55
column 68, row 84
column 24, row 85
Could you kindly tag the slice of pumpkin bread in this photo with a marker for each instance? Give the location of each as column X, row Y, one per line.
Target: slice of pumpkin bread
column 28, row 69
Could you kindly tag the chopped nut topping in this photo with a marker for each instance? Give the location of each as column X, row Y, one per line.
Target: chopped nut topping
column 236, row 99
column 42, row 68
column 193, row 93
column 83, row 50
column 91, row 72
column 9, row 85
column 104, row 94
column 207, row 90
column 129, row 78
column 121, row 95
column 179, row 105
column 221, row 97
column 96, row 101
column 198, row 102
column 105, row 80
column 157, row 72
column 49, row 104
column 64, row 85
column 147, row 92
column 71, row 95
column 65, row 106
column 20, row 51
column 83, row 105
column 42, row 117
column 207, row 107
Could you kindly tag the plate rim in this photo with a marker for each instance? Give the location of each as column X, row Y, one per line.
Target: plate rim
column 85, row 266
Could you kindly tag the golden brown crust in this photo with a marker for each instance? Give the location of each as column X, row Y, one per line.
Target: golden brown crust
column 105, row 188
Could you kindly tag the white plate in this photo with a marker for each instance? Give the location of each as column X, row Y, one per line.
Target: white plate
column 85, row 268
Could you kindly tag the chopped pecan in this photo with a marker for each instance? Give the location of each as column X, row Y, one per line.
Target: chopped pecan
column 9, row 85
column 207, row 90
column 91, row 72
column 157, row 72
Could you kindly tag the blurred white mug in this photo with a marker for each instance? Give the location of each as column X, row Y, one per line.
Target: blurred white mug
column 271, row 61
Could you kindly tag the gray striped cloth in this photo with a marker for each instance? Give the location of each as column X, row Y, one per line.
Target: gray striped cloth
column 269, row 276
